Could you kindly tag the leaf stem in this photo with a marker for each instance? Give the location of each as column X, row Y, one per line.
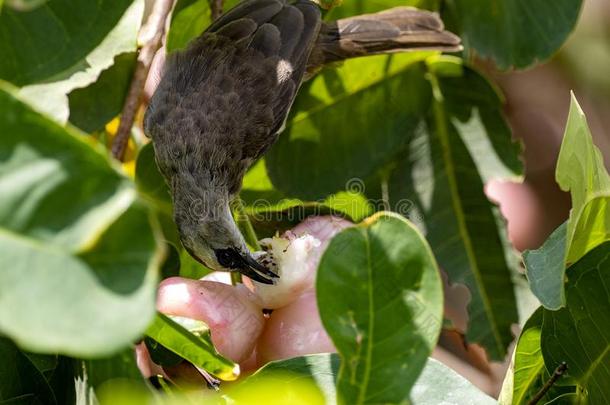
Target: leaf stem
column 559, row 371
column 150, row 36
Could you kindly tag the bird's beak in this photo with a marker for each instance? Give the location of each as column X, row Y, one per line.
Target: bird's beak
column 253, row 269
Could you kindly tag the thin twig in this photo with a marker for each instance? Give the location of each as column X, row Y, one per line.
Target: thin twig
column 216, row 7
column 150, row 37
column 556, row 375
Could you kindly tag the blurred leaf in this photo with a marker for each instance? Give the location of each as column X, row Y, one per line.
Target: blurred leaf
column 545, row 269
column 347, row 124
column 439, row 384
column 149, row 180
column 322, row 368
column 73, row 235
column 389, row 323
column 439, row 183
column 328, row 4
column 514, row 33
column 119, row 366
column 95, row 105
column 579, row 334
column 436, row 384
column 191, row 347
column 53, row 51
column 348, row 8
column 189, row 19
column 20, row 381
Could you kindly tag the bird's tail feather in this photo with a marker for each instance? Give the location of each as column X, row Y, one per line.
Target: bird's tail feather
column 395, row 30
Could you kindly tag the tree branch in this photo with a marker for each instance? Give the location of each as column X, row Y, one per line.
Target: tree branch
column 150, row 36
column 556, row 375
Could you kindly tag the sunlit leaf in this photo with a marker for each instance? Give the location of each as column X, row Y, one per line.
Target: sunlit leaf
column 63, row 45
column 73, row 235
column 579, row 334
column 440, row 180
column 388, row 324
column 191, row 347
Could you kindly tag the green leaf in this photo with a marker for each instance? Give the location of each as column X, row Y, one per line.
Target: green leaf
column 191, row 347
column 545, row 269
column 579, row 334
column 149, row 180
column 21, row 382
column 581, row 171
column 529, row 370
column 528, row 374
column 95, row 105
column 119, row 366
column 436, row 384
column 348, row 123
column 440, row 180
column 189, row 19
column 73, row 235
column 356, row 7
column 514, row 33
column 389, row 323
column 24, row 5
column 58, row 52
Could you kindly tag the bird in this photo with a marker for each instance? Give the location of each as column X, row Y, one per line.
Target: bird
column 222, row 102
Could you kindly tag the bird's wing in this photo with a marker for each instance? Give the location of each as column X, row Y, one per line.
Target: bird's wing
column 283, row 31
column 223, row 99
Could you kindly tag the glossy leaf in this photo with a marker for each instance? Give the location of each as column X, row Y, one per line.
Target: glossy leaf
column 514, row 33
column 95, row 105
column 440, row 178
column 198, row 350
column 58, row 52
column 579, row 334
column 388, row 324
column 73, row 235
column 545, row 269
column 581, row 171
column 189, row 19
column 382, row 98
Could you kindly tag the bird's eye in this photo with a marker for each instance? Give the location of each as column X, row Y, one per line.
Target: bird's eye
column 228, row 258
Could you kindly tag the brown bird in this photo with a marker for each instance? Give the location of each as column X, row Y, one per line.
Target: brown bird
column 222, row 102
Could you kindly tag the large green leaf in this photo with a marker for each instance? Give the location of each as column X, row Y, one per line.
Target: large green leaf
column 388, row 324
column 73, row 235
column 95, row 105
column 514, row 32
column 581, row 171
column 196, row 349
column 21, row 382
column 440, row 179
column 189, row 19
column 436, row 384
column 579, row 334
column 348, row 123
column 528, row 373
column 63, row 45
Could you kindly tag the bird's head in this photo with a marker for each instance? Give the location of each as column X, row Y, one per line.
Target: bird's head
column 209, row 233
